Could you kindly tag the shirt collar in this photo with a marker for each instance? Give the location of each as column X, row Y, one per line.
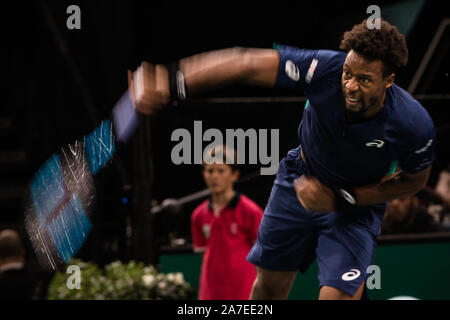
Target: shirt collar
column 232, row 204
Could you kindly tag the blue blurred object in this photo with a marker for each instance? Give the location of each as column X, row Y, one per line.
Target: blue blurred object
column 125, row 118
column 70, row 228
column 62, row 190
column 100, row 146
column 100, row 143
column 56, row 214
column 48, row 180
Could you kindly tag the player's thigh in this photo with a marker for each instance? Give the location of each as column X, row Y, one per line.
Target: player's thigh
column 344, row 252
column 276, row 280
column 286, row 236
column 331, row 293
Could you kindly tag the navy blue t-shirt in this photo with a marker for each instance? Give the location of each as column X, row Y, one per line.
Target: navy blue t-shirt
column 341, row 154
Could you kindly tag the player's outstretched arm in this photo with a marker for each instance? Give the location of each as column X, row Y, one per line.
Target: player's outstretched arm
column 151, row 84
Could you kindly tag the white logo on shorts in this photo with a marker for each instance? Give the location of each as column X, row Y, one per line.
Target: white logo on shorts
column 292, row 70
column 351, row 275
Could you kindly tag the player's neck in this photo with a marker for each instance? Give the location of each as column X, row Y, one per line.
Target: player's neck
column 221, row 200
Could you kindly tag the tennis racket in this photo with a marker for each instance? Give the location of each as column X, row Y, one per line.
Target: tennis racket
column 62, row 192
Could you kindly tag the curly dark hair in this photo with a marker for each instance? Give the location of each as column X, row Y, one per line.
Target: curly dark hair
column 386, row 44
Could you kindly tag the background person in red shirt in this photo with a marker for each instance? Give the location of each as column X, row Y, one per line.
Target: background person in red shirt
column 224, row 228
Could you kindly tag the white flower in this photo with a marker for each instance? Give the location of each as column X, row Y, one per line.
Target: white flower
column 147, row 270
column 162, row 285
column 179, row 278
column 170, row 277
column 148, row 280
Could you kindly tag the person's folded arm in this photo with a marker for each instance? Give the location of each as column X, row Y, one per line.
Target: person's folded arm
column 316, row 196
column 402, row 185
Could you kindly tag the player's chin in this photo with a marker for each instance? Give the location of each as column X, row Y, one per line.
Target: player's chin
column 355, row 108
column 216, row 189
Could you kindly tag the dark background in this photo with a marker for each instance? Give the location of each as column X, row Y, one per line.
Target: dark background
column 58, row 84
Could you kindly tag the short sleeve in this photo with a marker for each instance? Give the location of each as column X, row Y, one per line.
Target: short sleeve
column 199, row 241
column 300, row 68
column 256, row 214
column 418, row 154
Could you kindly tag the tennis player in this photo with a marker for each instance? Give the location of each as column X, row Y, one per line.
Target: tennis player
column 363, row 141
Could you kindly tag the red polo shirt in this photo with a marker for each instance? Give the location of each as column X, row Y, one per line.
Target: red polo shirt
column 227, row 239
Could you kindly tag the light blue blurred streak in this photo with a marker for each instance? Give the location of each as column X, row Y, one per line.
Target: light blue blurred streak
column 100, row 146
column 47, row 181
column 70, row 228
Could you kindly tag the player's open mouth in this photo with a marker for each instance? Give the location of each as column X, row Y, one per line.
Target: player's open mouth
column 351, row 101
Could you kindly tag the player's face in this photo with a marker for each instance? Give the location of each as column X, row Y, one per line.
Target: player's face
column 363, row 85
column 219, row 177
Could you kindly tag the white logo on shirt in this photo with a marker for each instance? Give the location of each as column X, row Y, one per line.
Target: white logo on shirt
column 429, row 143
column 292, row 70
column 351, row 275
column 375, row 143
column 311, row 70
column 206, row 230
column 234, row 228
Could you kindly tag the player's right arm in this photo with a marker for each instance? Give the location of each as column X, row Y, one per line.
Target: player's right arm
column 150, row 86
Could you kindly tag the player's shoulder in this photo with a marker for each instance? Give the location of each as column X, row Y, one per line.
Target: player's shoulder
column 200, row 210
column 248, row 204
column 331, row 55
column 408, row 114
column 300, row 67
column 319, row 58
column 297, row 52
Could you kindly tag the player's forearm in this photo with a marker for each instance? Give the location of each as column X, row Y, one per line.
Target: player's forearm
column 209, row 70
column 401, row 185
column 153, row 86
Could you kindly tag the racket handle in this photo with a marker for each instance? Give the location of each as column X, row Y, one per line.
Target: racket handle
column 101, row 143
column 125, row 118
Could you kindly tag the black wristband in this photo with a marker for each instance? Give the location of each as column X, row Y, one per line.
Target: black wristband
column 345, row 200
column 177, row 85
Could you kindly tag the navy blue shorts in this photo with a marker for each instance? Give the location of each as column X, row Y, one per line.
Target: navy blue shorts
column 291, row 237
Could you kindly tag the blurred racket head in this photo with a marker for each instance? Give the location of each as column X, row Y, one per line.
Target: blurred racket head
column 61, row 197
column 62, row 192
